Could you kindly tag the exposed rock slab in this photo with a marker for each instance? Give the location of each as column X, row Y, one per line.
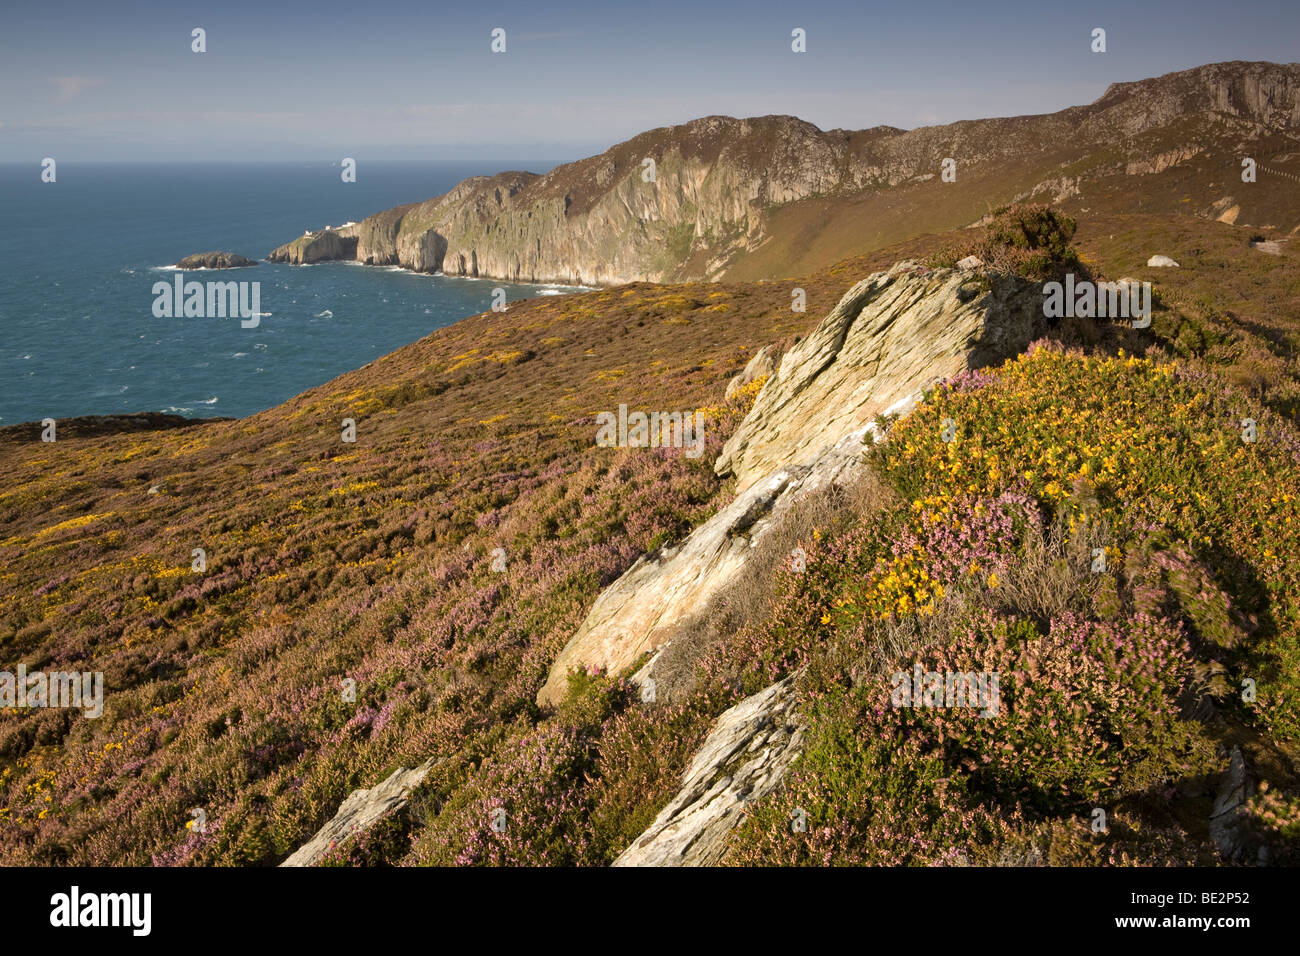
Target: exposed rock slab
column 359, row 812
column 744, row 757
column 892, row 335
column 665, row 590
column 1228, row 819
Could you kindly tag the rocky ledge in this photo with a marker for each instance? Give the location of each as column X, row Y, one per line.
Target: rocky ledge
column 361, row 812
column 215, row 260
column 893, row 335
column 95, row 426
column 745, row 757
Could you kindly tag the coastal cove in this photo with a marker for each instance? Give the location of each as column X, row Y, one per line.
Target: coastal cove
column 84, row 253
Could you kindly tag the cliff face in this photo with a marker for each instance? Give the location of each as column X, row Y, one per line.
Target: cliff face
column 322, row 246
column 598, row 221
column 718, row 180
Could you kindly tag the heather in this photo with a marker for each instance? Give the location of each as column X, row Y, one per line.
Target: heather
column 1126, row 442
column 327, row 562
column 438, row 564
column 1120, row 681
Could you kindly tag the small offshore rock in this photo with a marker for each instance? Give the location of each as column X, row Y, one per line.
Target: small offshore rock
column 214, row 260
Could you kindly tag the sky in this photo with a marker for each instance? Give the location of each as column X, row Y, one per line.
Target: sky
column 115, row 80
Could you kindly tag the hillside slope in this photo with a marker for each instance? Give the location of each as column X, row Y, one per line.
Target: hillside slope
column 443, row 560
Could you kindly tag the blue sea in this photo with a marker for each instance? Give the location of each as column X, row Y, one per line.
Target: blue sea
column 79, row 258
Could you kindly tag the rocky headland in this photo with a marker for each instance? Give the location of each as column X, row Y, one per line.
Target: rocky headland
column 743, row 198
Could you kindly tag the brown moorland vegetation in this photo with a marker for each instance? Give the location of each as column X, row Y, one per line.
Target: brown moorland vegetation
column 373, row 561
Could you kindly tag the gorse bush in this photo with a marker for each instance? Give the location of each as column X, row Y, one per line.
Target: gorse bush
column 1057, row 458
column 1127, row 441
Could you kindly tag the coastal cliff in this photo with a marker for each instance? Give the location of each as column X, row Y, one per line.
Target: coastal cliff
column 771, row 195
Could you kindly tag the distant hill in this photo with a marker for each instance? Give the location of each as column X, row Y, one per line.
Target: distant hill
column 775, row 196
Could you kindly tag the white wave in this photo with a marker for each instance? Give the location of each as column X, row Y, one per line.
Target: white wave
column 240, row 355
column 176, row 268
column 327, row 314
column 208, row 401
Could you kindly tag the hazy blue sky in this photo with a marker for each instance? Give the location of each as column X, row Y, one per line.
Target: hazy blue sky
column 105, row 80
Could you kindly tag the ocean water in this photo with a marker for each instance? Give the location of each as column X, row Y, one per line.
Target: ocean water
column 79, row 258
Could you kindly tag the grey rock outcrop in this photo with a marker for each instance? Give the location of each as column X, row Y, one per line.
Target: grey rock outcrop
column 745, row 756
column 667, row 589
column 1228, row 819
column 214, row 260
column 891, row 336
column 361, row 811
column 762, row 365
